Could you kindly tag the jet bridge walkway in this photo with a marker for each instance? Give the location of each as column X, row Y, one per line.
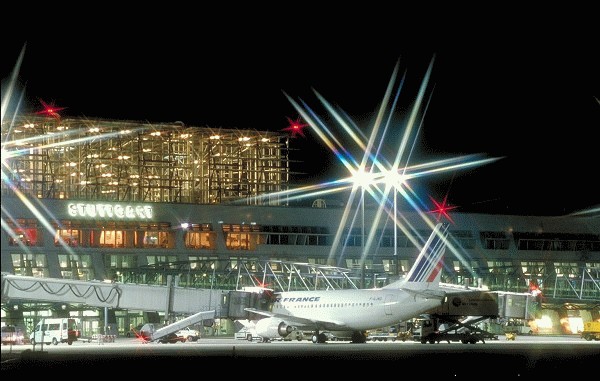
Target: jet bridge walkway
column 170, row 298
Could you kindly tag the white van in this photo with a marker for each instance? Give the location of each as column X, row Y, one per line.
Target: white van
column 55, row 330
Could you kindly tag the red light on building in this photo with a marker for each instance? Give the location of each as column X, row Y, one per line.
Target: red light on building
column 442, row 209
column 295, row 127
column 50, row 110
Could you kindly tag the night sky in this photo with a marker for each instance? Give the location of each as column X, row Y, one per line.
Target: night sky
column 535, row 105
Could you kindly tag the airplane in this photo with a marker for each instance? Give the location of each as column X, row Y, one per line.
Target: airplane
column 350, row 313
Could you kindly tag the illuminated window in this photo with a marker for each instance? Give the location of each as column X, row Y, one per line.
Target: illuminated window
column 23, row 232
column 241, row 237
column 30, row 265
column 73, row 266
column 199, row 236
column 70, row 237
column 112, row 238
column 157, row 235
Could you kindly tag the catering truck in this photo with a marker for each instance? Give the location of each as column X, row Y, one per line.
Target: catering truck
column 56, row 330
column 433, row 329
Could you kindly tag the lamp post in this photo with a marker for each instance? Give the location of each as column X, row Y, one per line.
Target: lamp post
column 395, row 235
column 362, row 179
column 394, row 181
column 362, row 239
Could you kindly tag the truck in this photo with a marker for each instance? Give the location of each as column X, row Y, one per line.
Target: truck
column 591, row 331
column 55, row 331
column 434, row 329
column 517, row 327
column 400, row 332
column 247, row 333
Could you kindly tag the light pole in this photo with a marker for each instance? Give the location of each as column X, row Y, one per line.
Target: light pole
column 395, row 234
column 394, row 181
column 362, row 179
column 362, row 239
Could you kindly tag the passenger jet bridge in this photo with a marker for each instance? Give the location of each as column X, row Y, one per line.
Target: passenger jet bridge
column 172, row 299
column 175, row 300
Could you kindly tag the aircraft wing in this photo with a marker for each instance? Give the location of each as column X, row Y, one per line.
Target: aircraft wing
column 449, row 289
column 302, row 322
column 436, row 294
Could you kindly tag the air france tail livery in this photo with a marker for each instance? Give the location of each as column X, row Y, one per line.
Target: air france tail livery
column 349, row 313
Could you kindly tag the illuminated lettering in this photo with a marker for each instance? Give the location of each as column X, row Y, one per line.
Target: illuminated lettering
column 129, row 212
column 119, row 212
column 298, row 300
column 110, row 211
column 142, row 211
column 104, row 210
column 72, row 210
column 89, row 210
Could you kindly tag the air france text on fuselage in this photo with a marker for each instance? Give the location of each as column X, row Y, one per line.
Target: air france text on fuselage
column 298, row 300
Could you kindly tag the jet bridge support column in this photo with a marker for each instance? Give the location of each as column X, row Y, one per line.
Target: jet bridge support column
column 169, row 300
column 109, row 317
column 14, row 315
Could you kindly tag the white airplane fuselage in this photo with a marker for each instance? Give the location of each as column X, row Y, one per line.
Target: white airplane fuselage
column 355, row 310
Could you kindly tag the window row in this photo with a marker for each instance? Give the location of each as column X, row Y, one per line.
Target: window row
column 72, row 266
column 26, row 232
column 161, row 235
column 385, row 238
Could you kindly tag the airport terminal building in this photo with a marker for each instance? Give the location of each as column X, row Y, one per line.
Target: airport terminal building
column 134, row 202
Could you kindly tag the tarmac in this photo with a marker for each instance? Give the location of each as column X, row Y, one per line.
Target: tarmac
column 524, row 356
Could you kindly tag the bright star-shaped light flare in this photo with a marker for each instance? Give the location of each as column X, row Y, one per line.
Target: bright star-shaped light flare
column 50, row 110
column 442, row 209
column 373, row 174
column 295, row 127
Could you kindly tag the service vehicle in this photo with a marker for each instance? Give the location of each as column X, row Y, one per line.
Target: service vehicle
column 188, row 334
column 12, row 335
column 432, row 329
column 518, row 327
column 168, row 333
column 400, row 332
column 246, row 333
column 591, row 330
column 56, row 330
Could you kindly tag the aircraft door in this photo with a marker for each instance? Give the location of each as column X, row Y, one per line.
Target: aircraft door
column 389, row 302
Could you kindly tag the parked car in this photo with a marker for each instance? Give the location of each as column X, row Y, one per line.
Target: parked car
column 189, row 334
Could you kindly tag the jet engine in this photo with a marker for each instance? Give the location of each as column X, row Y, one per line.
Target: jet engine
column 273, row 327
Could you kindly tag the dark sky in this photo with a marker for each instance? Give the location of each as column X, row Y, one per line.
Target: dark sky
column 533, row 104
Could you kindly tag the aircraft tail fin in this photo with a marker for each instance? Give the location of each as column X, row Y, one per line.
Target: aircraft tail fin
column 427, row 270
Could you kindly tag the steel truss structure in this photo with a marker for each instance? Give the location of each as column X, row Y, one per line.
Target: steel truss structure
column 77, row 158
